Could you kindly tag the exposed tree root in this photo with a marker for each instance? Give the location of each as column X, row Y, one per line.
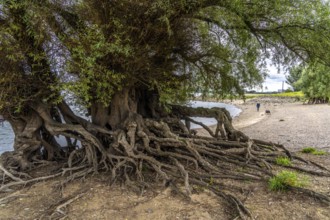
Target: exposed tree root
column 59, row 211
column 7, row 173
column 10, row 198
column 26, row 182
column 166, row 150
column 321, row 197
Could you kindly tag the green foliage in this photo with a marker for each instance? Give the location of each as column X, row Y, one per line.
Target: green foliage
column 319, row 152
column 284, row 161
column 25, row 76
column 308, row 150
column 297, row 95
column 285, row 179
column 183, row 46
column 174, row 47
column 312, row 150
column 96, row 81
column 315, row 81
column 293, row 77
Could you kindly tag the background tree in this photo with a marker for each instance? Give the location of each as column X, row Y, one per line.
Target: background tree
column 314, row 83
column 293, row 77
column 129, row 62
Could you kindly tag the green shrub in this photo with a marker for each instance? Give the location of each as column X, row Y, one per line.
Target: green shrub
column 284, row 161
column 284, row 179
column 308, row 150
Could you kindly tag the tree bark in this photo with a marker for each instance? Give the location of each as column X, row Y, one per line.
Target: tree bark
column 27, row 137
column 120, row 108
column 100, row 114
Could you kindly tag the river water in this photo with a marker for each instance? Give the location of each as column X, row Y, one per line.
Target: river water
column 233, row 110
column 7, row 135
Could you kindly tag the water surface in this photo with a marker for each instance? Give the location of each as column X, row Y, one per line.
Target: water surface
column 6, row 137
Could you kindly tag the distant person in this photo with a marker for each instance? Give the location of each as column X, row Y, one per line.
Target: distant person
column 258, row 106
column 1, row 120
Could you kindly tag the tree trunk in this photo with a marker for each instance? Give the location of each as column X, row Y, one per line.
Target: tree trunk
column 130, row 101
column 122, row 104
column 100, row 114
column 27, row 137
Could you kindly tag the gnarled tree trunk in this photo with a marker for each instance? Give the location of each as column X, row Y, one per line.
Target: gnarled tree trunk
column 27, row 138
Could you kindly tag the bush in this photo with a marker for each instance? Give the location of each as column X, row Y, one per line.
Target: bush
column 284, row 161
column 285, row 179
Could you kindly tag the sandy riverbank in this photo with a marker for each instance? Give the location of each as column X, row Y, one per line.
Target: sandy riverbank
column 290, row 123
column 295, row 125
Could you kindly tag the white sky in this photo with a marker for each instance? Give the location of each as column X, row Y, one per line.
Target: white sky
column 274, row 80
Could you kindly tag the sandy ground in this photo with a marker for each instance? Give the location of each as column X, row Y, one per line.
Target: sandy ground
column 292, row 124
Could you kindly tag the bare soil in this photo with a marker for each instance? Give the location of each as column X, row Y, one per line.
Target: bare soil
column 292, row 124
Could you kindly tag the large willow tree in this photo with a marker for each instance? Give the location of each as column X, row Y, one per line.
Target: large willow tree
column 128, row 62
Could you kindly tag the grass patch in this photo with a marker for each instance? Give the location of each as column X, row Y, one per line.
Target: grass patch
column 298, row 95
column 289, row 94
column 252, row 96
column 312, row 150
column 283, row 161
column 215, row 98
column 308, row 150
column 319, row 152
column 283, row 180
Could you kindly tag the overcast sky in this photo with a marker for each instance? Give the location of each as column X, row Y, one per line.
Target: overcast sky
column 274, row 80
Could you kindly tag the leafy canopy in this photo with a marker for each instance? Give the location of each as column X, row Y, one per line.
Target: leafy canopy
column 95, row 48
